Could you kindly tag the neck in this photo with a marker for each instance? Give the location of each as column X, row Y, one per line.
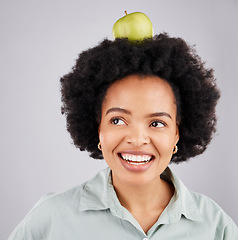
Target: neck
column 143, row 198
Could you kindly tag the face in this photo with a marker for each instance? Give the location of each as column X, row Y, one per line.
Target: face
column 138, row 129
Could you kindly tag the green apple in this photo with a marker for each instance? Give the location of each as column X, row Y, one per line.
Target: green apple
column 134, row 26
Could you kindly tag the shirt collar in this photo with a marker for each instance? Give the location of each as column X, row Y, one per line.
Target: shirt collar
column 181, row 204
column 95, row 192
column 98, row 194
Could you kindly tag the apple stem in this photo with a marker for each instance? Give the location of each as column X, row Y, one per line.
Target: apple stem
column 126, row 12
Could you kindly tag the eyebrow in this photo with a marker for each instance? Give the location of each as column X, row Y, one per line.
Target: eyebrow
column 117, row 109
column 157, row 114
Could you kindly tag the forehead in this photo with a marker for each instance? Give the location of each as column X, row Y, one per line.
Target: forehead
column 149, row 91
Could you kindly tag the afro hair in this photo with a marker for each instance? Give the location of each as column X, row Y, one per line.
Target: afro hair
column 84, row 87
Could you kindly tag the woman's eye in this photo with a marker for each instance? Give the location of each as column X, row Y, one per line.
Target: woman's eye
column 117, row 121
column 158, row 124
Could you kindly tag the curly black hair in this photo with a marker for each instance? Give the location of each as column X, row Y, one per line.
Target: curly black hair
column 83, row 89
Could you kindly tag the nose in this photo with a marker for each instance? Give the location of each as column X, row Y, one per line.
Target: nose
column 137, row 136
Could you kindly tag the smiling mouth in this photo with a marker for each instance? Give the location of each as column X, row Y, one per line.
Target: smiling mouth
column 136, row 159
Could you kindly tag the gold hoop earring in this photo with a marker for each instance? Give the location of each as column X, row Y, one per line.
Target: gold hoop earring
column 175, row 149
column 99, row 146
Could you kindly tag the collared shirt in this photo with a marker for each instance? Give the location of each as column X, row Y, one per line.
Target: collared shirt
column 92, row 211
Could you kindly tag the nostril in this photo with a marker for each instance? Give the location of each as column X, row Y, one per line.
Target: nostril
column 141, row 141
column 147, row 139
column 137, row 137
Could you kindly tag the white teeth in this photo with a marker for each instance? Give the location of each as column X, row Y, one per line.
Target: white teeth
column 146, row 158
column 135, row 163
column 136, row 159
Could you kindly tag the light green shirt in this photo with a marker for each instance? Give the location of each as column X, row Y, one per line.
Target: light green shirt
column 92, row 211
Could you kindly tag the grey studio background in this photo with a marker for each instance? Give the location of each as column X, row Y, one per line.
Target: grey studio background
column 39, row 42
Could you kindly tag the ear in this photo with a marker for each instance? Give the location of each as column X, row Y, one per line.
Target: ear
column 177, row 134
column 99, row 129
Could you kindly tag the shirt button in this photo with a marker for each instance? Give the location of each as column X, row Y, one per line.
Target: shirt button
column 145, row 238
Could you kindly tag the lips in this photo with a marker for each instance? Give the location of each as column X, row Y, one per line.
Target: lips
column 137, row 158
column 136, row 161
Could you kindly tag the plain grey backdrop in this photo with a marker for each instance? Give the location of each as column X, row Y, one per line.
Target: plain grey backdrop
column 39, row 42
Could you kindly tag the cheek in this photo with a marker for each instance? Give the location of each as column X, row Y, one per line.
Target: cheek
column 109, row 140
column 164, row 143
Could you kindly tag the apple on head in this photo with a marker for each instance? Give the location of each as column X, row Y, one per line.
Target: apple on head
column 134, row 26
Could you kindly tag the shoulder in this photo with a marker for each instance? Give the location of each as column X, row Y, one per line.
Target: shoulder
column 51, row 211
column 51, row 207
column 191, row 201
column 204, row 212
column 208, row 207
column 215, row 217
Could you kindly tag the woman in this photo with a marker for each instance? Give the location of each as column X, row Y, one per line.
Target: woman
column 139, row 106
